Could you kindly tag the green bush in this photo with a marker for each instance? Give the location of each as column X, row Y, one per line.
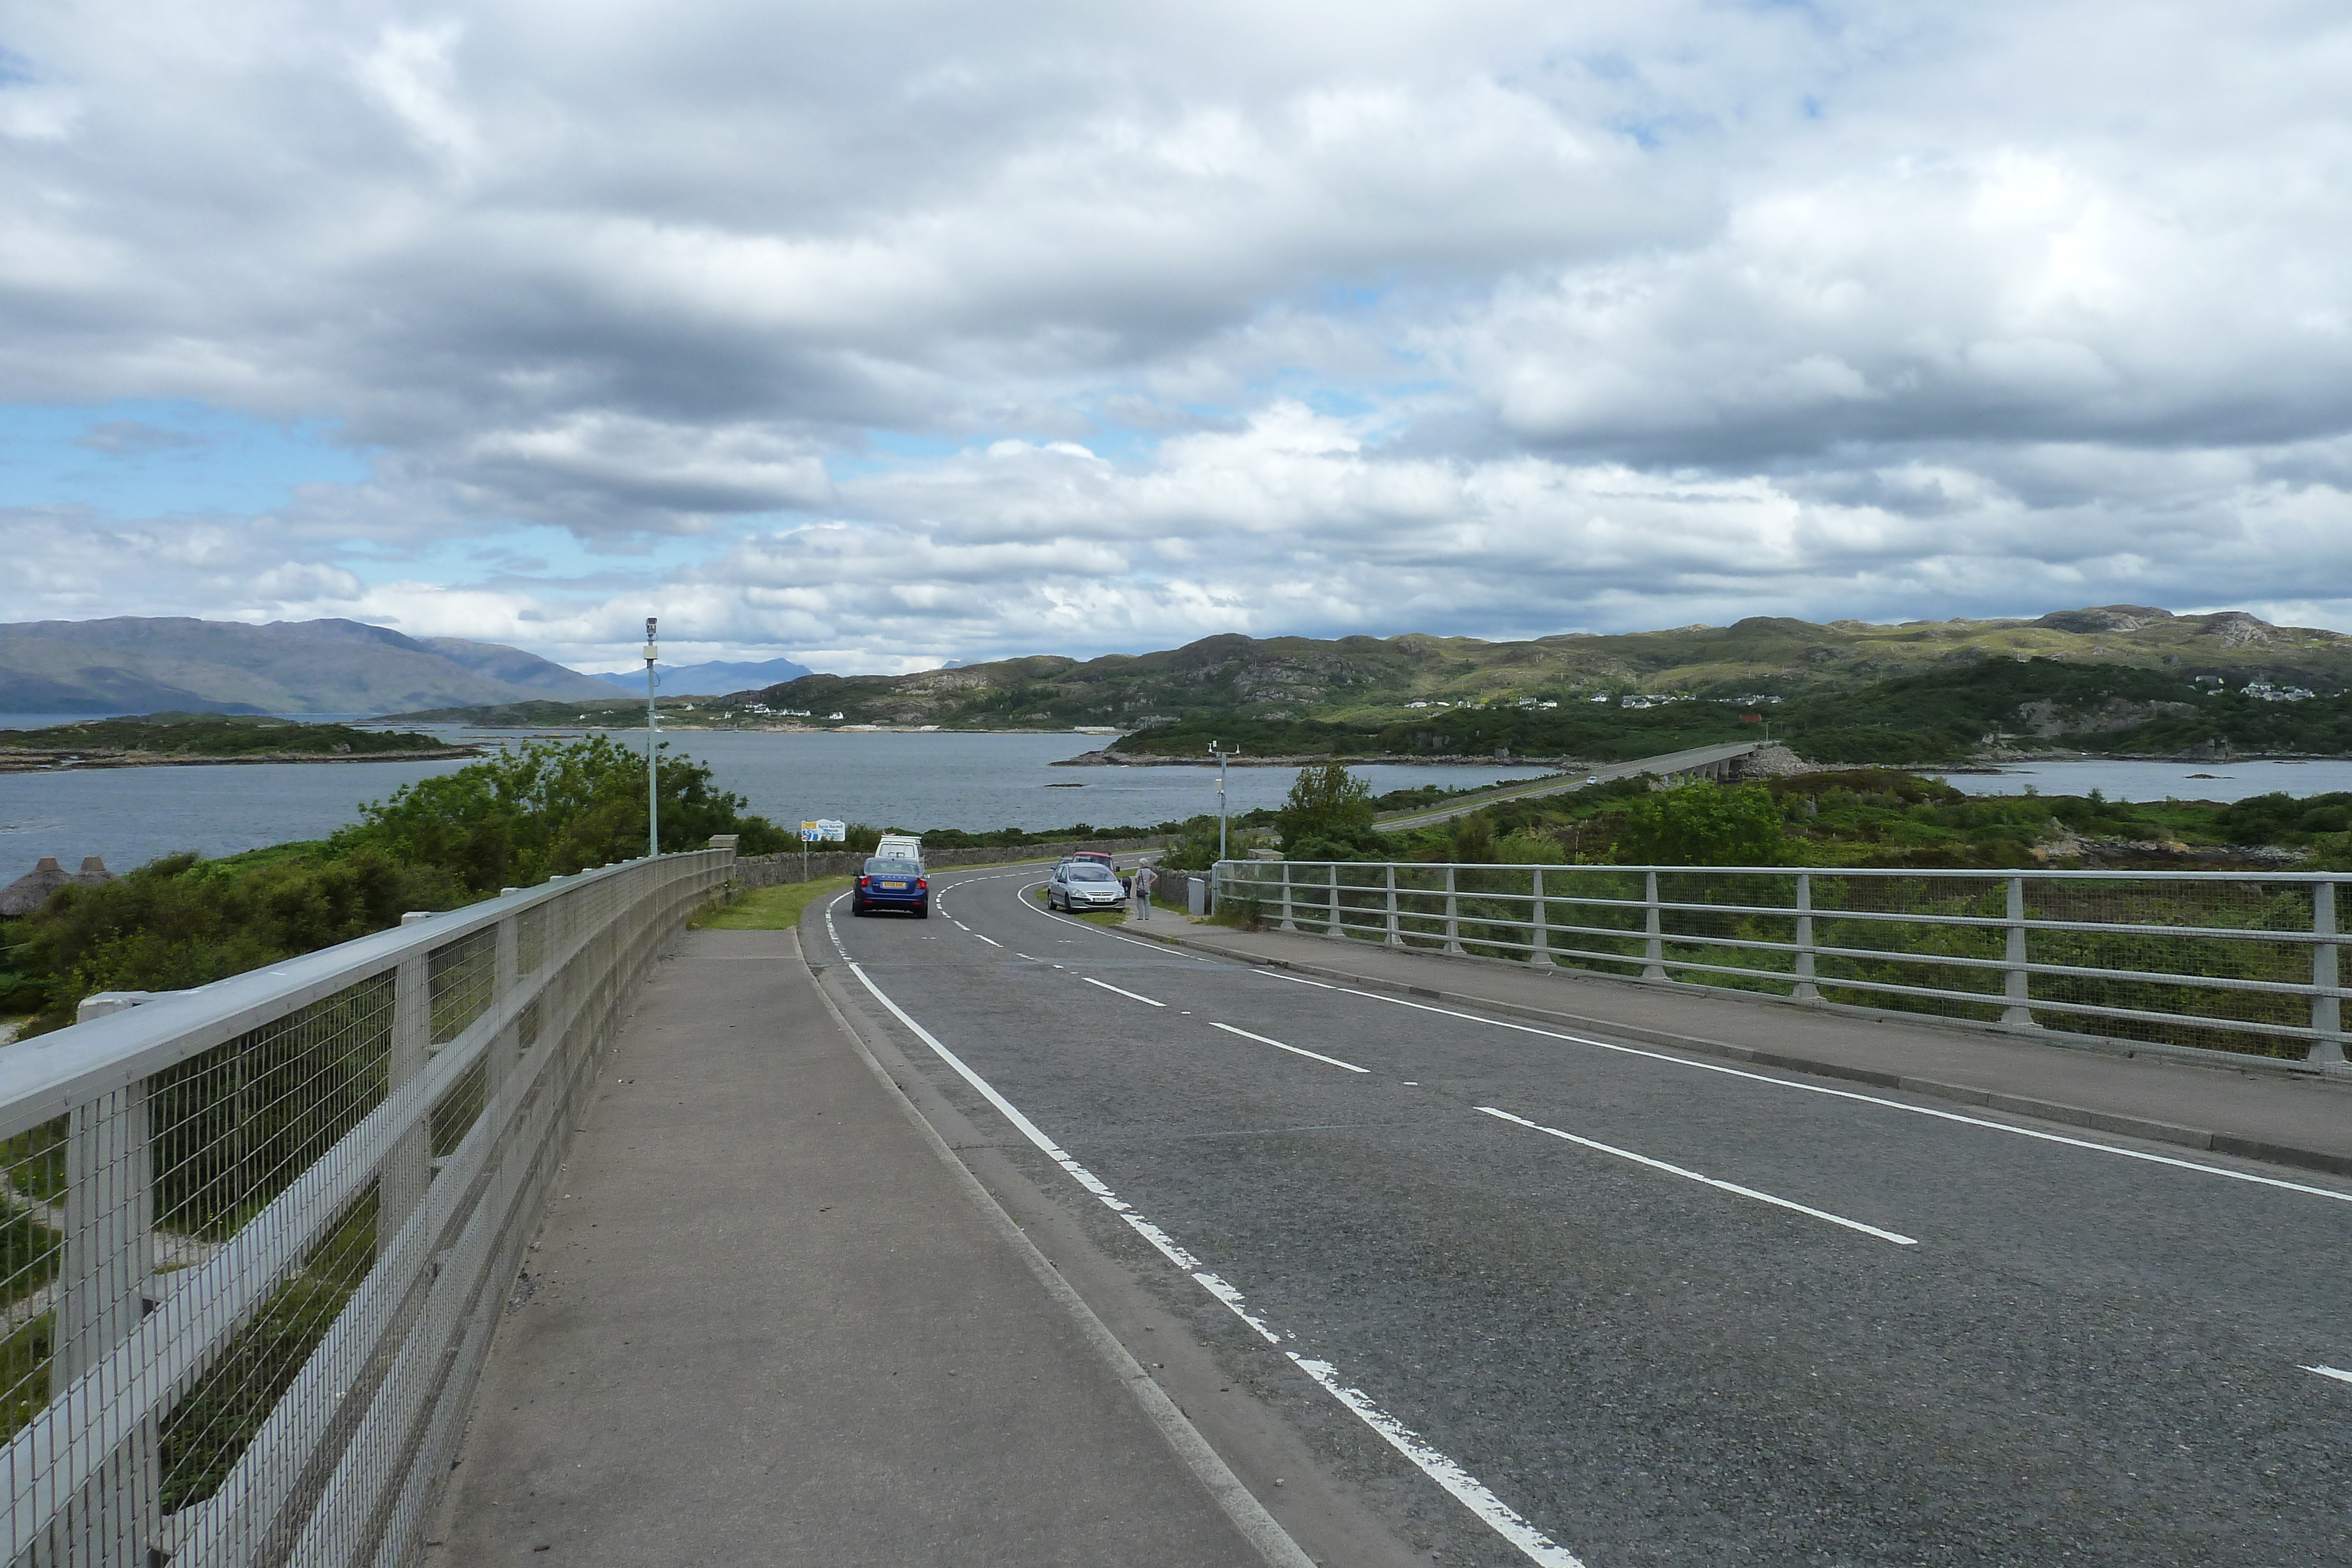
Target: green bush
column 1702, row 824
column 1328, row 813
column 513, row 820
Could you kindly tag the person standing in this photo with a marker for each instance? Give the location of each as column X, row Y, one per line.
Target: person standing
column 1146, row 879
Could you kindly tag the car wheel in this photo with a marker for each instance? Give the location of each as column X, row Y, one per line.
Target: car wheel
column 923, row 912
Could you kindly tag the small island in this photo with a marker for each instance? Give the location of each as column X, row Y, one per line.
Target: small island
column 185, row 739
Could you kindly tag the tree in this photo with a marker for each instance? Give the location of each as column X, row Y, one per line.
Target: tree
column 1702, row 824
column 548, row 809
column 1328, row 809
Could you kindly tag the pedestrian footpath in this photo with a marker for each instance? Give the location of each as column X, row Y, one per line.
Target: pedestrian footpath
column 2302, row 1120
column 769, row 1322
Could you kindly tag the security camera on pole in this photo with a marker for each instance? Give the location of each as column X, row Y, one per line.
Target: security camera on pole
column 653, row 773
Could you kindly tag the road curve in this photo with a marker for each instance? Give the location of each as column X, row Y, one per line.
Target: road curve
column 1539, row 1300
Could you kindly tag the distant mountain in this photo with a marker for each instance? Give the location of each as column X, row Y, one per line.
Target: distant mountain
column 712, row 680
column 131, row 664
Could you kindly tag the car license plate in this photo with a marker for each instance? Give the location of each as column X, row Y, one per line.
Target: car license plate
column 895, row 886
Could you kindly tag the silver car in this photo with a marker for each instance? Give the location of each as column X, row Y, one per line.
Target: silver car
column 1084, row 884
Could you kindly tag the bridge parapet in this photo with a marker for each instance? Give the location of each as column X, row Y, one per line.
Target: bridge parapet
column 2201, row 962
column 256, row 1234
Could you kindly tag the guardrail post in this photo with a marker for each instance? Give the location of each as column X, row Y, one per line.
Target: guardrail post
column 2016, row 1014
column 105, row 1287
column 1393, row 939
column 1335, row 931
column 2326, row 1012
column 1654, row 944
column 1453, row 914
column 502, row 1050
column 1287, row 922
column 1806, row 990
column 400, row 1187
column 1539, row 927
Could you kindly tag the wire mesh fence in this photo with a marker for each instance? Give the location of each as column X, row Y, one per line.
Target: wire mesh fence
column 255, row 1235
column 2242, row 962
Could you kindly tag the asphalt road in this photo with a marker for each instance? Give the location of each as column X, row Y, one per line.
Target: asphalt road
column 1602, row 772
column 1616, row 1307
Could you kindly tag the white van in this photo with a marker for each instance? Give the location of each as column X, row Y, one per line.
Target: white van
column 899, row 847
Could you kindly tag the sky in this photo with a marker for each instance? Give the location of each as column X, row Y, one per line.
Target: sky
column 877, row 336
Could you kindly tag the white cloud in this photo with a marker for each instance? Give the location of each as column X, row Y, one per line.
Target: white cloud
column 893, row 336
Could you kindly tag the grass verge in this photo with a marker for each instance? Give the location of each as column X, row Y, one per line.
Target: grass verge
column 776, row 909
column 1091, row 916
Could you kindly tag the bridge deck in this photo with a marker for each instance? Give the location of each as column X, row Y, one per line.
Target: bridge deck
column 2262, row 1115
column 766, row 1323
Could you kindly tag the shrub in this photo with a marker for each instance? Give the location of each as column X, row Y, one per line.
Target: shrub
column 1702, row 824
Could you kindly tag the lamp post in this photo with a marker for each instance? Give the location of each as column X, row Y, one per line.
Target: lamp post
column 1221, row 755
column 653, row 773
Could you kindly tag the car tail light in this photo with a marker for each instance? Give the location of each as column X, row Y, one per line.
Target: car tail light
column 862, row 880
column 922, row 884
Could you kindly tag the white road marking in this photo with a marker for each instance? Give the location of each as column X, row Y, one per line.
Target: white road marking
column 1731, row 1187
column 1867, row 1099
column 1295, row 1051
column 1465, row 1487
column 2336, row 1373
column 1107, row 986
column 987, row 939
column 1296, row 980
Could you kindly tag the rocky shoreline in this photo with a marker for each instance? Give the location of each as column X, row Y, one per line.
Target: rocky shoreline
column 1109, row 759
column 14, row 760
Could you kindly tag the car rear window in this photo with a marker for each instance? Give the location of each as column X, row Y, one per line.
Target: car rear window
column 1087, row 871
column 892, row 868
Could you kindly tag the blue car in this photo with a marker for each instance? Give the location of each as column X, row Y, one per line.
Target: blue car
column 891, row 885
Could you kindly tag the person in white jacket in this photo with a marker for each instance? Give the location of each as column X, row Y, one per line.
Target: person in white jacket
column 1146, row 879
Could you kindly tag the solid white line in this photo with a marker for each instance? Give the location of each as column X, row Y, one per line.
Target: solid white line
column 2336, row 1373
column 1497, row 1515
column 1294, row 979
column 1107, row 986
column 1867, row 1099
column 1732, row 1186
column 1294, row 1051
column 987, row 939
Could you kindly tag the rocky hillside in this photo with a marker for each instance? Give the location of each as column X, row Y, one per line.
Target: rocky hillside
column 1374, row 681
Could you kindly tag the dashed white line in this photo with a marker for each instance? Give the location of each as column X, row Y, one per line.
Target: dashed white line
column 1865, row 1099
column 1465, row 1487
column 2336, row 1373
column 1131, row 995
column 1294, row 1050
column 987, row 939
column 1731, row 1187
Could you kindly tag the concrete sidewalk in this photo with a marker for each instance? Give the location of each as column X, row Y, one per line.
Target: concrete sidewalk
column 2304, row 1121
column 769, row 1322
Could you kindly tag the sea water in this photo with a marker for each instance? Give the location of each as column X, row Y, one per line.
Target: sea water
column 131, row 815
column 978, row 782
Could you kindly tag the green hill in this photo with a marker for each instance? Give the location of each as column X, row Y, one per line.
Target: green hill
column 2107, row 673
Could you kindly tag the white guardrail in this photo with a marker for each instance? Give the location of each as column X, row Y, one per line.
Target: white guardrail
column 2238, row 961
column 257, row 1235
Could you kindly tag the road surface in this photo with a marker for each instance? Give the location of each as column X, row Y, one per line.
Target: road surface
column 1539, row 1298
column 1672, row 762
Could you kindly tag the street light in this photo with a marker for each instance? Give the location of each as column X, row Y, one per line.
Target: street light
column 653, row 774
column 1221, row 756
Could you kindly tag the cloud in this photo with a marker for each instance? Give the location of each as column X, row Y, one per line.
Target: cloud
column 134, row 438
column 927, row 333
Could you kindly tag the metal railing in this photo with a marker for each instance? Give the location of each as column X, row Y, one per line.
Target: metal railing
column 257, row 1235
column 2238, row 961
